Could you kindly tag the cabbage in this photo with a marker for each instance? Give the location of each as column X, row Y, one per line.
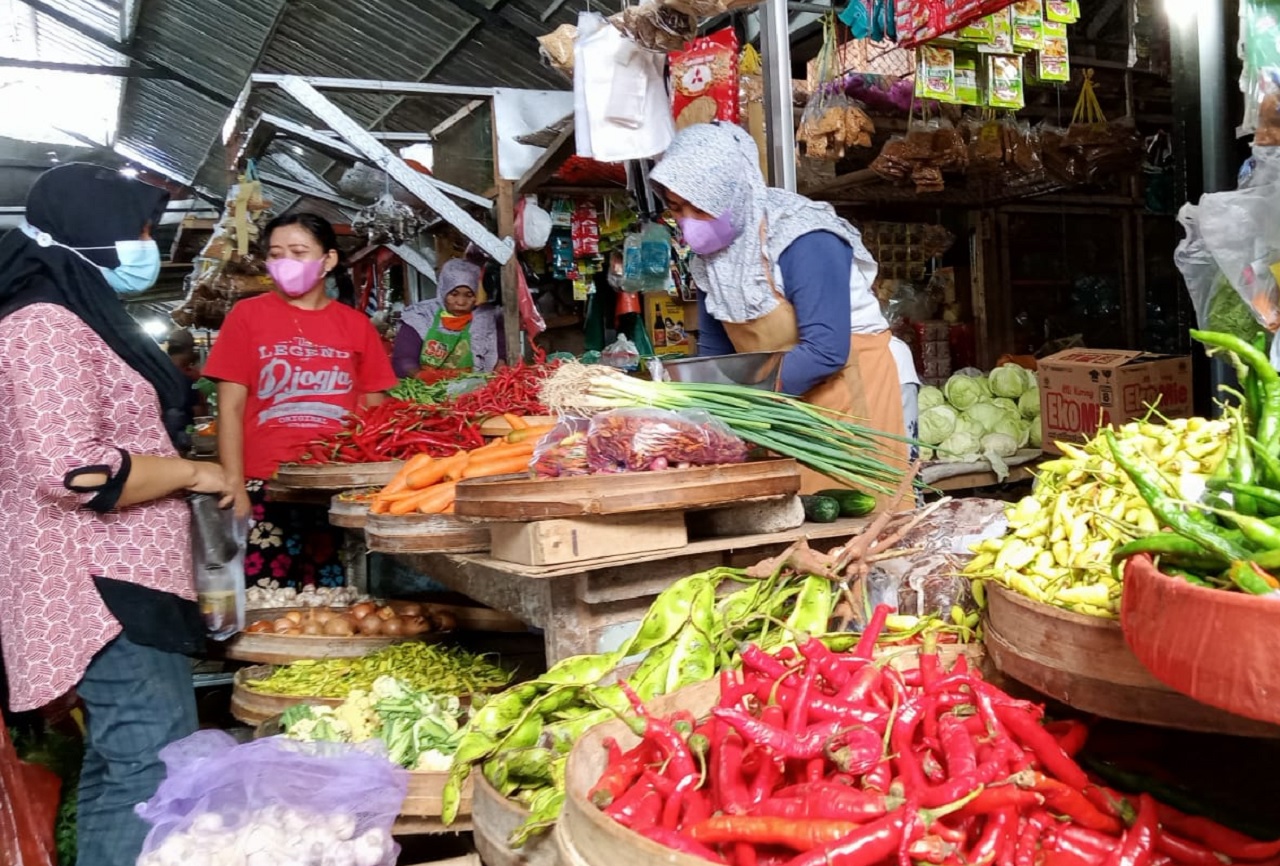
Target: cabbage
column 996, row 447
column 965, row 424
column 1007, row 405
column 1014, row 427
column 960, row 448
column 987, row 415
column 1036, row 433
column 963, row 391
column 936, row 424
column 1008, row 380
column 929, row 397
column 1029, row 402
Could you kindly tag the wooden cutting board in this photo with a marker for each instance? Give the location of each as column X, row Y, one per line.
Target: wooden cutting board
column 521, row 498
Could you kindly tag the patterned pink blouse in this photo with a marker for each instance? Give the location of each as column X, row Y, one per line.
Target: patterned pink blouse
column 67, row 401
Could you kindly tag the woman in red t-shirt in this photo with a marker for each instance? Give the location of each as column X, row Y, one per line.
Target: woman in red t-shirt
column 290, row 365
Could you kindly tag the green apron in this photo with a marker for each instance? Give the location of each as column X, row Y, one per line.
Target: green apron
column 444, row 349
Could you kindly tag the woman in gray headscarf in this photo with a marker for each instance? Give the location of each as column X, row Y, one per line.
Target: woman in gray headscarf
column 778, row 272
column 449, row 334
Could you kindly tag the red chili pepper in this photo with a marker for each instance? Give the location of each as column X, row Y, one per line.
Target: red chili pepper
column 734, row 794
column 1185, row 851
column 1058, row 849
column 798, row 717
column 825, row 661
column 800, row 835
column 1071, row 735
column 1028, row 838
column 866, row 846
column 821, row 707
column 677, row 842
column 879, row 778
column 984, row 851
column 1139, row 842
column 638, row 808
column 866, row 646
column 860, row 685
column 957, row 747
column 620, row 775
column 824, row 800
column 675, row 803
column 1052, row 759
column 1221, row 839
column 756, row 659
column 809, row 744
column 1065, row 800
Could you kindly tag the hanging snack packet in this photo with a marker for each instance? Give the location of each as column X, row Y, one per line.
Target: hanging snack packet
column 705, row 77
column 1054, row 61
column 1062, row 11
column 585, row 229
column 936, row 75
column 1001, row 33
column 1004, row 82
column 1028, row 25
column 968, row 91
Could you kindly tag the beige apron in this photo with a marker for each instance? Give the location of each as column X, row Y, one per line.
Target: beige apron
column 866, row 388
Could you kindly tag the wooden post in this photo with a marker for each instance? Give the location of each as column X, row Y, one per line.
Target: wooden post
column 506, row 207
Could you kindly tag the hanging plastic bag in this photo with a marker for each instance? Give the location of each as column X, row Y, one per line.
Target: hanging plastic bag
column 641, row 440
column 831, row 121
column 531, row 321
column 621, row 354
column 273, row 801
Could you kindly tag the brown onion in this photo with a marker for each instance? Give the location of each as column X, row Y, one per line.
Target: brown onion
column 445, row 620
column 393, row 627
column 415, row 625
column 386, row 612
column 294, row 616
column 324, row 614
column 262, row 625
column 370, row 626
column 363, row 609
column 282, row 625
column 408, row 608
column 312, row 628
column 339, row 626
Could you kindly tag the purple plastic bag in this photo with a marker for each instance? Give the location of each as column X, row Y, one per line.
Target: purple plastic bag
column 273, row 802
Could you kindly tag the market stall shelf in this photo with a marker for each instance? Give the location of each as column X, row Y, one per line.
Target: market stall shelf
column 338, row 476
column 583, row 607
column 494, row 818
column 1215, row 646
column 1083, row 662
column 424, row 533
column 520, row 499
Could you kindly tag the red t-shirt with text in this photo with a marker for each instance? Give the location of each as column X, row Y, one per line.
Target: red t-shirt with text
column 305, row 370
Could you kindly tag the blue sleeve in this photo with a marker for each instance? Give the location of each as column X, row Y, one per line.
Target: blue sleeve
column 712, row 337
column 815, row 279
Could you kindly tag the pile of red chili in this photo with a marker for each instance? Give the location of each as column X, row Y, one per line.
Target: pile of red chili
column 394, row 430
column 816, row 758
column 513, row 389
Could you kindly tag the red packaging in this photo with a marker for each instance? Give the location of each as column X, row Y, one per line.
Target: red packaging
column 921, row 20
column 705, row 79
column 585, row 230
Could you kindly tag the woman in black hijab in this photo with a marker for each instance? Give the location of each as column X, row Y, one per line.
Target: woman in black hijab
column 96, row 588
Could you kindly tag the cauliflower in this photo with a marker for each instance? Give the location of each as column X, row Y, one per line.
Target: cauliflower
column 433, row 761
column 387, row 688
column 357, row 713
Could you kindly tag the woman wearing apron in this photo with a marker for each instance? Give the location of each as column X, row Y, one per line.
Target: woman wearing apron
column 778, row 272
column 450, row 334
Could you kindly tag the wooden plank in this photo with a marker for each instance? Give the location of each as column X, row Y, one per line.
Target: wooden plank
column 579, row 539
column 548, row 163
column 697, row 487
column 506, row 204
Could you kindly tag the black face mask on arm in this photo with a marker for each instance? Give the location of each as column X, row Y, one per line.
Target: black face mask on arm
column 90, row 207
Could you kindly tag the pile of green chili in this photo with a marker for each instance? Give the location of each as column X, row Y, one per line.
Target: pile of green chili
column 1230, row 538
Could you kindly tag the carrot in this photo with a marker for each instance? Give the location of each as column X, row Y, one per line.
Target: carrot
column 511, row 463
column 379, row 506
column 438, row 470
column 441, row 497
column 508, row 449
column 410, row 504
column 528, row 433
column 401, row 480
column 516, row 422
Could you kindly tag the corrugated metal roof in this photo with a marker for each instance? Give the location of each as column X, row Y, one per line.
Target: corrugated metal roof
column 220, row 42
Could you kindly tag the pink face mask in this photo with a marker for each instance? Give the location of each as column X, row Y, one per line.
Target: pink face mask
column 705, row 237
column 296, row 277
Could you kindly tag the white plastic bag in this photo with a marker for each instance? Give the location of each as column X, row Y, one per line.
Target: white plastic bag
column 621, row 106
column 1241, row 230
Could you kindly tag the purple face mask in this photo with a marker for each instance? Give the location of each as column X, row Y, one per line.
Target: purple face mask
column 705, row 237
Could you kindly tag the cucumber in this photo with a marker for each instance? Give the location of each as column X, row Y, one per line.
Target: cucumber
column 852, row 503
column 820, row 509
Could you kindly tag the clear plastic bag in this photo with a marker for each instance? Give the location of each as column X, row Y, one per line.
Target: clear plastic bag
column 1240, row 230
column 621, row 354
column 273, row 801
column 563, row 450
column 638, row 440
column 218, row 558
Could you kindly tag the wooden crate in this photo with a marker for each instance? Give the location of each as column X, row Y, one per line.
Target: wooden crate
column 580, row 539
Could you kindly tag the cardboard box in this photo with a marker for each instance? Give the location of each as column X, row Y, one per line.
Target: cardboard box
column 1082, row 390
column 577, row 539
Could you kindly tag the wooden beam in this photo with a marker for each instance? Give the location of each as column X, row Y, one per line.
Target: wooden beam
column 548, row 163
column 510, row 276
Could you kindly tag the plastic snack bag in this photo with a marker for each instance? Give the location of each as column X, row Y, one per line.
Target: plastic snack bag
column 563, row 450
column 704, row 76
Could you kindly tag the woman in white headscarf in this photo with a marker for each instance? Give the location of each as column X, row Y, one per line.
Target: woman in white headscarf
column 778, row 272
